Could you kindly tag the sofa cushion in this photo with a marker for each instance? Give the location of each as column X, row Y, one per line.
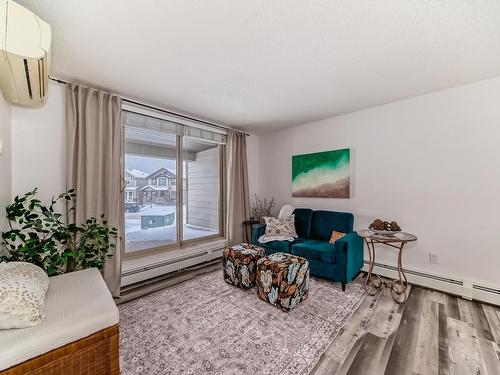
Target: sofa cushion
column 277, row 247
column 280, row 246
column 303, row 222
column 325, row 222
column 314, row 249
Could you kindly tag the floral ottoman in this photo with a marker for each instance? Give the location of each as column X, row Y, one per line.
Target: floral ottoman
column 240, row 264
column 283, row 280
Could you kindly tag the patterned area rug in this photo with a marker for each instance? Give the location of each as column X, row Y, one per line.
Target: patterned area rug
column 205, row 326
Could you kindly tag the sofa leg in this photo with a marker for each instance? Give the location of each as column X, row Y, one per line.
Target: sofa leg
column 343, row 287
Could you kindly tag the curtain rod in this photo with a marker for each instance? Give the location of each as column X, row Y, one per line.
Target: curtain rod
column 163, row 110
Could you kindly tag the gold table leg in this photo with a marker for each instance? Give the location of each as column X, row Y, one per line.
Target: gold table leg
column 373, row 282
column 400, row 285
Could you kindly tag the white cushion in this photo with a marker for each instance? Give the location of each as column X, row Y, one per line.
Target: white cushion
column 22, row 294
column 266, row 239
column 286, row 210
column 77, row 305
column 280, row 226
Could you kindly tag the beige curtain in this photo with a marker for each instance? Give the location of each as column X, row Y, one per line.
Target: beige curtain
column 94, row 151
column 238, row 207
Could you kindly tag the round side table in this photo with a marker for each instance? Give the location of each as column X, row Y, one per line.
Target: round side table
column 374, row 283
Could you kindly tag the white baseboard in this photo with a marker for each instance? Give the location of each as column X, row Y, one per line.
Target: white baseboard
column 464, row 288
column 142, row 273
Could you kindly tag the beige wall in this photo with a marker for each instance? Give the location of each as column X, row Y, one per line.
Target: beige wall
column 5, row 160
column 203, row 199
column 431, row 162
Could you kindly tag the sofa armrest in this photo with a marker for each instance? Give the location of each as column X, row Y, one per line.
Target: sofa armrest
column 352, row 247
column 257, row 231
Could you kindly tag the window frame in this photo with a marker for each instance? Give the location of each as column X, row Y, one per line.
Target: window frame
column 179, row 217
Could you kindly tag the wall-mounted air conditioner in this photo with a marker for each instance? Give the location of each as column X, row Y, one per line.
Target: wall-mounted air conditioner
column 24, row 55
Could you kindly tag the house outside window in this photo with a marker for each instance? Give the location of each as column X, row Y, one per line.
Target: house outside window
column 162, row 181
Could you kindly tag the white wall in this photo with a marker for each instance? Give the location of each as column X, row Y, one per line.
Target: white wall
column 431, row 162
column 38, row 146
column 253, row 165
column 5, row 160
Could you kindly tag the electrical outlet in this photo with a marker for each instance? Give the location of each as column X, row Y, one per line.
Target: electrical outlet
column 434, row 258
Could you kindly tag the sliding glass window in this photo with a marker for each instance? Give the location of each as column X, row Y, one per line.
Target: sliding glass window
column 202, row 179
column 163, row 211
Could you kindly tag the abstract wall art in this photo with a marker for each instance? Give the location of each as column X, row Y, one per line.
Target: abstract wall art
column 321, row 174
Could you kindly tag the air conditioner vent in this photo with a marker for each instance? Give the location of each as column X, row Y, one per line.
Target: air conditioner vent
column 28, row 80
column 42, row 77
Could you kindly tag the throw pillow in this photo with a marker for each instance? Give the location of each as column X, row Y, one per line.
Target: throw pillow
column 22, row 294
column 336, row 235
column 280, row 226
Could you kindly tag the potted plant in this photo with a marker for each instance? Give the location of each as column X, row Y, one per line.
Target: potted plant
column 39, row 234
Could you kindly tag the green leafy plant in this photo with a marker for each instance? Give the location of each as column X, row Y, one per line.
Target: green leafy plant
column 38, row 234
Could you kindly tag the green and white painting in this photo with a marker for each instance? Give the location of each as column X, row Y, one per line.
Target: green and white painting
column 321, row 174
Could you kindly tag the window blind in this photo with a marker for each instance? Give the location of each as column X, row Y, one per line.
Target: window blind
column 148, row 121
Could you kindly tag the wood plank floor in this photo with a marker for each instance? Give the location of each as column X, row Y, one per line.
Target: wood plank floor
column 432, row 333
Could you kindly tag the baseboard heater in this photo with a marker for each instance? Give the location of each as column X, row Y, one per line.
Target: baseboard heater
column 463, row 288
column 170, row 265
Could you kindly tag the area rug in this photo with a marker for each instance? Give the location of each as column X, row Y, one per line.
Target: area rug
column 205, row 326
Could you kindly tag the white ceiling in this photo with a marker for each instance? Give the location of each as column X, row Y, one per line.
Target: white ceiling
column 263, row 65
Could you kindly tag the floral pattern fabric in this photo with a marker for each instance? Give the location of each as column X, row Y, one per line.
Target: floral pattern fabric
column 240, row 264
column 280, row 226
column 283, row 280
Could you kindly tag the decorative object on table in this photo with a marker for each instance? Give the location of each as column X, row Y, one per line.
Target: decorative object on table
column 374, row 283
column 241, row 334
column 339, row 262
column 22, row 294
column 283, row 280
column 261, row 207
column 321, row 174
column 240, row 264
column 384, row 227
column 38, row 234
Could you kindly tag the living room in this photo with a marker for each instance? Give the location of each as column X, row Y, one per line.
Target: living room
column 285, row 187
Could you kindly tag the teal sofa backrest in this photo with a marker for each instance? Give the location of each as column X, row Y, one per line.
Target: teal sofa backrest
column 323, row 223
column 303, row 217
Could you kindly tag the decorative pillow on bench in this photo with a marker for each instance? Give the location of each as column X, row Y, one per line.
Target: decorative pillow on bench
column 22, row 294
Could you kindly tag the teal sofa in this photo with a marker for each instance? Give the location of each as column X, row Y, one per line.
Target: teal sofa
column 340, row 261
